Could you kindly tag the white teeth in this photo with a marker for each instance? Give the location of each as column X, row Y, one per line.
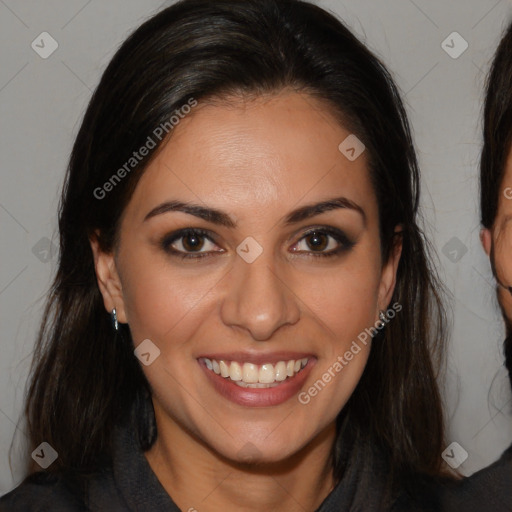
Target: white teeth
column 235, row 371
column 256, row 376
column 224, row 369
column 250, row 373
column 266, row 375
column 281, row 371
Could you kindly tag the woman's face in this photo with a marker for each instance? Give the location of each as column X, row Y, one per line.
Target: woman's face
column 499, row 238
column 249, row 291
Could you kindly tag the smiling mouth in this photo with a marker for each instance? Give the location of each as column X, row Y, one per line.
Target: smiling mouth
column 249, row 375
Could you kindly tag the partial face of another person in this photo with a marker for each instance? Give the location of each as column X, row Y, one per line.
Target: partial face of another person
column 250, row 289
column 498, row 240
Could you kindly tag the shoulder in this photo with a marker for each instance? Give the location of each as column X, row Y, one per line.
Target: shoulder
column 40, row 492
column 422, row 493
column 498, row 475
column 487, row 489
column 64, row 491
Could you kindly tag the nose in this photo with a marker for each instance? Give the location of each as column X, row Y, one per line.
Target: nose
column 259, row 300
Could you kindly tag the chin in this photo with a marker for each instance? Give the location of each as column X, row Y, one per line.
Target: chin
column 252, row 455
column 267, row 449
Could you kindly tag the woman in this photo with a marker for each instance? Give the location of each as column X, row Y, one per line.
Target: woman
column 491, row 488
column 244, row 313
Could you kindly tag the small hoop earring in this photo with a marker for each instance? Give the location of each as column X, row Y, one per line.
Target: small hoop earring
column 115, row 323
column 382, row 317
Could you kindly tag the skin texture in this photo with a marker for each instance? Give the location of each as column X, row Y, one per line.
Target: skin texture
column 256, row 160
column 497, row 241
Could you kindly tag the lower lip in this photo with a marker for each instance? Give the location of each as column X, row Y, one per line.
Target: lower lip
column 258, row 397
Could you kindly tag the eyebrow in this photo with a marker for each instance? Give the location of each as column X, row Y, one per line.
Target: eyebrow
column 223, row 219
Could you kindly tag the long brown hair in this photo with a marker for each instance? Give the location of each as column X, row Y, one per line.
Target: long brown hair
column 497, row 145
column 84, row 382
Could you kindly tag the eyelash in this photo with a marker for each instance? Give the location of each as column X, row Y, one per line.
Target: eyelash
column 345, row 243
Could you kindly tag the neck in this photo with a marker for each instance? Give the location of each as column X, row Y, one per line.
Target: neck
column 199, row 479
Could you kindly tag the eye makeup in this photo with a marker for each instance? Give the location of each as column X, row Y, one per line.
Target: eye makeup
column 195, row 237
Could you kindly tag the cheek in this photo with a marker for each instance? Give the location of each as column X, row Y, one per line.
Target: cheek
column 344, row 299
column 161, row 300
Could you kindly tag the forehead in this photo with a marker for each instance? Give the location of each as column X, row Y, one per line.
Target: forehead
column 260, row 154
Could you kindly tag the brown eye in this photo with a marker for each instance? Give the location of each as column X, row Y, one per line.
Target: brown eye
column 189, row 243
column 192, row 242
column 317, row 241
column 325, row 242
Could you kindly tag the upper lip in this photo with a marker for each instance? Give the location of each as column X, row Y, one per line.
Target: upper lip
column 257, row 358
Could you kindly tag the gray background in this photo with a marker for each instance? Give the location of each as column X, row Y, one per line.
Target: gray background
column 41, row 105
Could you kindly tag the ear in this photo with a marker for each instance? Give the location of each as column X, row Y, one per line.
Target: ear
column 486, row 239
column 389, row 270
column 108, row 279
